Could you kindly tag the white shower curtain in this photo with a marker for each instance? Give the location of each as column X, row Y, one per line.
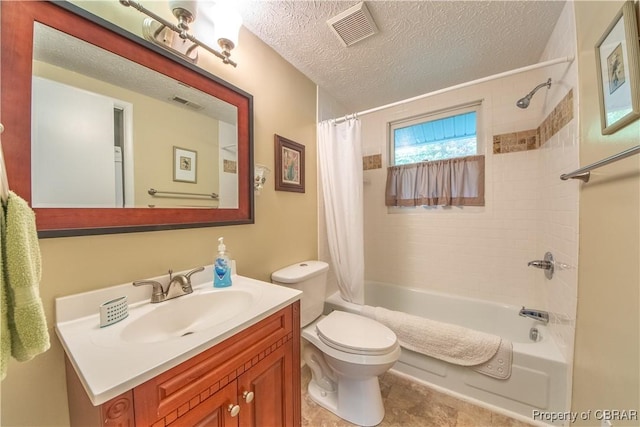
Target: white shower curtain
column 340, row 165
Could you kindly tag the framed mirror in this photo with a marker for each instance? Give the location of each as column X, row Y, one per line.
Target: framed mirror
column 107, row 133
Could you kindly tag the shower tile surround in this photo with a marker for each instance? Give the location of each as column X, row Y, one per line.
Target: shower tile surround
column 373, row 161
column 477, row 252
column 533, row 139
column 483, row 252
column 558, row 215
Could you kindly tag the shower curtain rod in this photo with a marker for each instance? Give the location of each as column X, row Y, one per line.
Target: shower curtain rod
column 460, row 86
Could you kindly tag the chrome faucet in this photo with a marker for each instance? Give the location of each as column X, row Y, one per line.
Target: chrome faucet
column 178, row 286
column 547, row 264
column 540, row 315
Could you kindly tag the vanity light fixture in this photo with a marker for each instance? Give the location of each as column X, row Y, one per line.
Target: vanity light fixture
column 220, row 20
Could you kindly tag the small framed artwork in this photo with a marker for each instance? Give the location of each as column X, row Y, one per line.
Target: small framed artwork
column 618, row 70
column 185, row 163
column 289, row 157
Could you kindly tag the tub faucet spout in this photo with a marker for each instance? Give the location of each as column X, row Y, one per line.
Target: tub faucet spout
column 539, row 315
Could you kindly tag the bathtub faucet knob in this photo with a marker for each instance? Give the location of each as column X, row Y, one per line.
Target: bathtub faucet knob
column 547, row 264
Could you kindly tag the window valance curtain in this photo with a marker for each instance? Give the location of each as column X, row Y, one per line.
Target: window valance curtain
column 451, row 182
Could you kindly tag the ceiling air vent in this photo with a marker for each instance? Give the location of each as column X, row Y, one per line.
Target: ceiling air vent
column 353, row 25
column 186, row 103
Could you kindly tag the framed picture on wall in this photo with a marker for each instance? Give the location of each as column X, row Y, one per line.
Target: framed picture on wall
column 185, row 163
column 618, row 69
column 289, row 157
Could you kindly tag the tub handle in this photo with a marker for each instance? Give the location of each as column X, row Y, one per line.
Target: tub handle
column 547, row 264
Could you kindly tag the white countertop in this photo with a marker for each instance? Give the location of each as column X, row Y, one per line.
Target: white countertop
column 108, row 366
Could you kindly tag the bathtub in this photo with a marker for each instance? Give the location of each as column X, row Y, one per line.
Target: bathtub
column 538, row 385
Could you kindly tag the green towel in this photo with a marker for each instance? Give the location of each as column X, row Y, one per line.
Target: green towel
column 27, row 322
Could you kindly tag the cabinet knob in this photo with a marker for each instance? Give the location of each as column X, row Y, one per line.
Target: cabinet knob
column 234, row 410
column 247, row 396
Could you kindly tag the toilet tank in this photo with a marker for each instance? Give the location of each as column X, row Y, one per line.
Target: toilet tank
column 310, row 277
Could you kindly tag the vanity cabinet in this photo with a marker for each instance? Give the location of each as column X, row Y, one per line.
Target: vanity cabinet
column 250, row 379
column 213, row 411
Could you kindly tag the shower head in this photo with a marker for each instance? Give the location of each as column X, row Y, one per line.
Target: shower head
column 524, row 102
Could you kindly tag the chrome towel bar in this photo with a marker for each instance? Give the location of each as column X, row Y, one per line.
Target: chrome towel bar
column 155, row 192
column 584, row 173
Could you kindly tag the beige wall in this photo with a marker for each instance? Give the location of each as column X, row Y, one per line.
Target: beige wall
column 606, row 364
column 285, row 229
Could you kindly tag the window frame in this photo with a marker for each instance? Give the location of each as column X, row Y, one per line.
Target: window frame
column 432, row 116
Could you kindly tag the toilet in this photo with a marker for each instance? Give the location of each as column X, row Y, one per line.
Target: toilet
column 346, row 352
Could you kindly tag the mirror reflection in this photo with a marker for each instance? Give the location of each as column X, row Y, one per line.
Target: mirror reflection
column 123, row 135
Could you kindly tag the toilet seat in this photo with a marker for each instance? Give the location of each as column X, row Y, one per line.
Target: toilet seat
column 352, row 333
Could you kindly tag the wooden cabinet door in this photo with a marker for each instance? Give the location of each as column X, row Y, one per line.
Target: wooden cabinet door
column 212, row 412
column 271, row 381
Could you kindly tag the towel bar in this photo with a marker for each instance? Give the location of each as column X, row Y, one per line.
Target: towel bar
column 584, row 173
column 155, row 192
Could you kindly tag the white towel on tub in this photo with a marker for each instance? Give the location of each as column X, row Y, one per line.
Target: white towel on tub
column 444, row 341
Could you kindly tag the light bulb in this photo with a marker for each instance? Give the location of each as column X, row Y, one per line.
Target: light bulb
column 227, row 22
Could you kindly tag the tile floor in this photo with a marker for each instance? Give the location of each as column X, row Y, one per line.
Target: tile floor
column 409, row 404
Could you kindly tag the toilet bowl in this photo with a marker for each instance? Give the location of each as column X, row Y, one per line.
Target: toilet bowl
column 347, row 384
column 346, row 352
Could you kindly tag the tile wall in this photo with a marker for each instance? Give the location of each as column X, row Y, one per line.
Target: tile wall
column 532, row 139
column 372, row 162
column 483, row 252
column 559, row 213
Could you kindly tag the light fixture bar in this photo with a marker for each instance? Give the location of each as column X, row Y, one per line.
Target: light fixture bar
column 224, row 55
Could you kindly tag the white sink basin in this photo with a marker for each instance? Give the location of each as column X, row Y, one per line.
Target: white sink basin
column 187, row 315
column 157, row 337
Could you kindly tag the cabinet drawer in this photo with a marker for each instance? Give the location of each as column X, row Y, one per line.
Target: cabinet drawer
column 181, row 389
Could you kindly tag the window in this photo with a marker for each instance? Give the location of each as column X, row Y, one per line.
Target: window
column 434, row 137
column 435, row 160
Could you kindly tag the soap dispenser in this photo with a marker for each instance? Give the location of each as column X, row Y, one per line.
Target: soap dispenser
column 222, row 267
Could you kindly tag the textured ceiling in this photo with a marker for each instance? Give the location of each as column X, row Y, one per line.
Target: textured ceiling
column 421, row 46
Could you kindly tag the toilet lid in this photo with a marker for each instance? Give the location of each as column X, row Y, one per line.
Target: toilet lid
column 353, row 333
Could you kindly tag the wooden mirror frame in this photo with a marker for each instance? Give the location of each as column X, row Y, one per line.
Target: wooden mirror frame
column 17, row 21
